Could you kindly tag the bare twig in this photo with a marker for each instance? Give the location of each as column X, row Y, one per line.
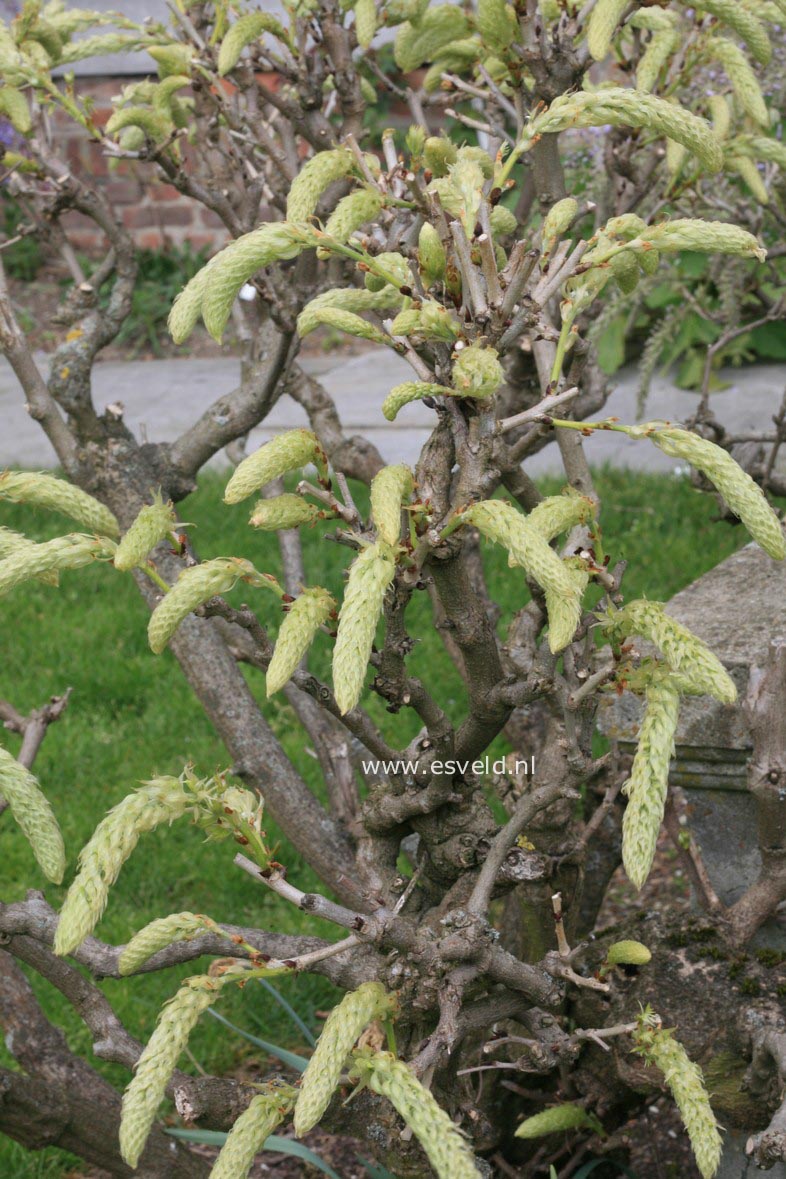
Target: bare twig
column 32, row 727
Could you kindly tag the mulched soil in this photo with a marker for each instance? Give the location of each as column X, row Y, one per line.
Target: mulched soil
column 666, row 889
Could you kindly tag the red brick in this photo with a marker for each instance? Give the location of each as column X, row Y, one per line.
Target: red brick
column 125, row 169
column 86, row 158
column 73, row 156
column 150, row 239
column 99, row 87
column 122, row 191
column 101, row 115
column 202, row 241
column 175, row 214
column 164, row 192
column 210, row 220
column 138, row 217
column 82, row 223
column 269, row 81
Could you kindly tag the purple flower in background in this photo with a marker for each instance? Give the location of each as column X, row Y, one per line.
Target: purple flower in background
column 8, row 136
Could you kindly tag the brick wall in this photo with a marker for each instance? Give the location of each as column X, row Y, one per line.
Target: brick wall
column 155, row 213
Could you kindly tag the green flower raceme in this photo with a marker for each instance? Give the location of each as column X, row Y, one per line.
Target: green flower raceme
column 305, row 615
column 648, row 783
column 446, row 1148
column 252, row 1129
column 196, row 585
column 701, row 671
column 345, row 1023
column 35, row 817
column 369, row 577
column 40, row 490
column 158, row 1061
column 390, row 488
column 684, row 1078
column 287, row 452
column 157, row 935
column 161, row 800
column 506, row 526
column 741, row 493
column 47, row 559
column 154, row 522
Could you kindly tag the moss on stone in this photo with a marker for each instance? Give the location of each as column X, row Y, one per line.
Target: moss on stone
column 737, row 967
column 770, row 957
column 724, row 1075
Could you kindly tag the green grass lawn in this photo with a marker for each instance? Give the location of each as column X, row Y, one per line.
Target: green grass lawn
column 132, row 715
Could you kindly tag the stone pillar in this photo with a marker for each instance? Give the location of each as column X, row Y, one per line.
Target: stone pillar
column 738, row 608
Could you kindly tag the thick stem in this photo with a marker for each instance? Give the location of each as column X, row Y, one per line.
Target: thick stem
column 473, row 633
column 62, row 1101
column 41, row 406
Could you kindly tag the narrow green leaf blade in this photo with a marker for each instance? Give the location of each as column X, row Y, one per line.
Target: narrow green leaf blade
column 298, row 1063
column 274, row 1143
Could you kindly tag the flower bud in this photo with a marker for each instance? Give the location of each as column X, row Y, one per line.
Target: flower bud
column 439, row 153
column 244, row 32
column 557, row 1120
column 58, row 495
column 389, row 489
column 306, row 614
column 345, row 1023
column 33, row 814
column 369, row 577
column 421, row 42
column 477, row 372
column 497, row 24
column 398, row 267
column 365, row 22
column 503, row 221
column 284, row 453
column 628, row 953
column 431, row 255
column 154, row 522
column 283, row 511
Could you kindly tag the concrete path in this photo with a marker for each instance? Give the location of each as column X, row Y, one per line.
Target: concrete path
column 163, row 397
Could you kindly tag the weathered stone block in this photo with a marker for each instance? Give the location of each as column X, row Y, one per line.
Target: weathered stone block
column 737, row 609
